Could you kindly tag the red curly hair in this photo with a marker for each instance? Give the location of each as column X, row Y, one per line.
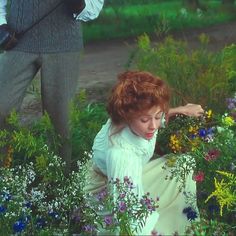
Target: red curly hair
column 134, row 93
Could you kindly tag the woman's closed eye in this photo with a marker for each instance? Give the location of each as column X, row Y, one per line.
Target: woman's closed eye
column 145, row 120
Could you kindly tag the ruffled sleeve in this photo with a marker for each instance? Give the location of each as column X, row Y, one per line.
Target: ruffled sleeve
column 3, row 12
column 124, row 163
column 91, row 10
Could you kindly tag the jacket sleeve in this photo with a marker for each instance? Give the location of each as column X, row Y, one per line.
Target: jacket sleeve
column 3, row 12
column 91, row 10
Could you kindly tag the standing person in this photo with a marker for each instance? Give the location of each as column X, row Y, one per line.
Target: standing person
column 52, row 45
column 138, row 107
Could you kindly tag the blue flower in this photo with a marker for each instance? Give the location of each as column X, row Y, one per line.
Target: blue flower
column 28, row 204
column 53, row 214
column 6, row 196
column 187, row 209
column 213, row 208
column 19, row 226
column 25, row 219
column 190, row 213
column 40, row 223
column 2, row 209
column 202, row 133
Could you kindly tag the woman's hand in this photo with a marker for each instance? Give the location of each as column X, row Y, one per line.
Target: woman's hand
column 189, row 109
column 193, row 110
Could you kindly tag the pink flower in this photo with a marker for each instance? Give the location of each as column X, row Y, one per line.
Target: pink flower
column 212, row 155
column 199, row 177
column 154, row 233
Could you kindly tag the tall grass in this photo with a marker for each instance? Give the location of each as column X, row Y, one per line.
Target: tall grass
column 195, row 76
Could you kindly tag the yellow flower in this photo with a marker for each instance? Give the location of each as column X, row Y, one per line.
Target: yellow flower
column 9, row 157
column 170, row 162
column 209, row 114
column 223, row 191
column 193, row 129
column 228, row 121
column 175, row 143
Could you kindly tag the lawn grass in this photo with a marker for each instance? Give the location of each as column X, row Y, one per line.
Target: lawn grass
column 133, row 20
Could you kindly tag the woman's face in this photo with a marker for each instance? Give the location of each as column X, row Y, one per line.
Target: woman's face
column 147, row 123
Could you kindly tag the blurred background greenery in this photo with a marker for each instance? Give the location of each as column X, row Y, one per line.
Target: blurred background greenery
column 130, row 18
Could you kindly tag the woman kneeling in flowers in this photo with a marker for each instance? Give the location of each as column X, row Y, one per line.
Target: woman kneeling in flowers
column 138, row 107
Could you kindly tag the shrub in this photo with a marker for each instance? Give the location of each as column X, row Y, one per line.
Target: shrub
column 195, row 76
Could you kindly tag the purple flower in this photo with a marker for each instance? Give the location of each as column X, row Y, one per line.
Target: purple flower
column 122, row 206
column 231, row 106
column 88, row 228
column 76, row 215
column 19, row 226
column 108, row 220
column 102, row 195
column 122, row 195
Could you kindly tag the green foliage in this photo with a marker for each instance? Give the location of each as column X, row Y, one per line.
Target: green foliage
column 120, row 19
column 86, row 121
column 207, row 227
column 22, row 144
column 197, row 76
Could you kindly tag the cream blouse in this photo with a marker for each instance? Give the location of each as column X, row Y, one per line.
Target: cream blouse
column 123, row 154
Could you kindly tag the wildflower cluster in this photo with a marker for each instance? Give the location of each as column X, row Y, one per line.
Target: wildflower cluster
column 206, row 147
column 33, row 202
column 121, row 209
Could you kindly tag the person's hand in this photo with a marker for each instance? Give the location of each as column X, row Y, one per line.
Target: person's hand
column 195, row 110
column 8, row 38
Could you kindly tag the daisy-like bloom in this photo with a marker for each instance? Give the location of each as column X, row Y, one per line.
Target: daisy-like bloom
column 212, row 155
column 199, row 177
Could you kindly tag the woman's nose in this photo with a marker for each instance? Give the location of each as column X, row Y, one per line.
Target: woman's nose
column 153, row 124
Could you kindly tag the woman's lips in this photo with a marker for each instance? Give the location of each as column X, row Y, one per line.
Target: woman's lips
column 149, row 135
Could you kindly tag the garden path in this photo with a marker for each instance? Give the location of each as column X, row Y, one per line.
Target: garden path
column 102, row 61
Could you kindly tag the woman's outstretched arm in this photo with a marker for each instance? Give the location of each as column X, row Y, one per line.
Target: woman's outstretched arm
column 189, row 109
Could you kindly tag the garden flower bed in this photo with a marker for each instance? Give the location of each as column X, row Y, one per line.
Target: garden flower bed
column 38, row 198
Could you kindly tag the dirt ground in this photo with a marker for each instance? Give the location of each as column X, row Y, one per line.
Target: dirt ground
column 102, row 61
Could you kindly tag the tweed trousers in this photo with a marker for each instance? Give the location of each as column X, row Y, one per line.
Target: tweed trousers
column 59, row 77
